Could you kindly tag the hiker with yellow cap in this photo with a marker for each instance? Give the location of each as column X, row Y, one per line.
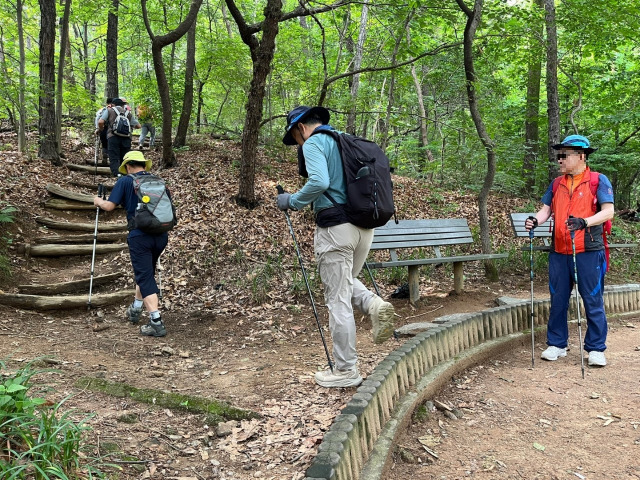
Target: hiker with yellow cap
column 144, row 248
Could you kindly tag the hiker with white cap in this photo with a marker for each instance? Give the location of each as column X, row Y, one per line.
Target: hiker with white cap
column 581, row 202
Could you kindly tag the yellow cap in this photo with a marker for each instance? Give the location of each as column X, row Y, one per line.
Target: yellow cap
column 134, row 156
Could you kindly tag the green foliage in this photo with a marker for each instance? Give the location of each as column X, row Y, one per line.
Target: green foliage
column 6, row 216
column 37, row 439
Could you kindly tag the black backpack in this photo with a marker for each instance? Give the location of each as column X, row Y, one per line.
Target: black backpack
column 121, row 126
column 155, row 212
column 368, row 178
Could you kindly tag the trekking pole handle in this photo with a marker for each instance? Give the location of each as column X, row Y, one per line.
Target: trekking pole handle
column 100, row 190
column 280, row 189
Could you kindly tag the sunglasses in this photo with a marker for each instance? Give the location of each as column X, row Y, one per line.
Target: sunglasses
column 562, row 156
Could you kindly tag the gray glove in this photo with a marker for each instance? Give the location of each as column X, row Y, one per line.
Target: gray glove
column 283, row 201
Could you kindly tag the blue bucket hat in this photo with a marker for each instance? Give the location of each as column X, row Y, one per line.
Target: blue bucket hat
column 575, row 141
column 297, row 115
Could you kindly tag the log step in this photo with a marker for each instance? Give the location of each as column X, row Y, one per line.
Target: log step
column 89, row 169
column 59, row 302
column 52, row 250
column 82, row 238
column 58, row 191
column 63, row 204
column 81, row 227
column 74, row 286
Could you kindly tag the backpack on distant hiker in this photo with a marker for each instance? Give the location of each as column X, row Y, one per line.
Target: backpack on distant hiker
column 368, row 179
column 594, row 181
column 155, row 212
column 121, row 126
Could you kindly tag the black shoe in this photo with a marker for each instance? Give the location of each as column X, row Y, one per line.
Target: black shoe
column 153, row 329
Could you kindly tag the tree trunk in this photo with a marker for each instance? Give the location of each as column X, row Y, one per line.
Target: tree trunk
column 531, row 124
column 473, row 20
column 384, row 126
column 157, row 44
column 22, row 136
column 187, row 105
column 64, row 39
column 553, row 107
column 357, row 63
column 48, row 148
column 111, row 90
column 262, row 52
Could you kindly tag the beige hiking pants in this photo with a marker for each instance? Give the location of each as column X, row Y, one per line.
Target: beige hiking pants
column 340, row 253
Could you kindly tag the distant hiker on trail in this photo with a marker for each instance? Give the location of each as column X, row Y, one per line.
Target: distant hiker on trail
column 103, row 133
column 144, row 248
column 119, row 124
column 145, row 116
column 581, row 202
column 340, row 247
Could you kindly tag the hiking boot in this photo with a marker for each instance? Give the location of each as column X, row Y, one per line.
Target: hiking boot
column 338, row 378
column 153, row 329
column 553, row 353
column 597, row 359
column 133, row 314
column 381, row 313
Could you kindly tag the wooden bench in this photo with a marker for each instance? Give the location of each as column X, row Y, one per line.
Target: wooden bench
column 545, row 231
column 434, row 233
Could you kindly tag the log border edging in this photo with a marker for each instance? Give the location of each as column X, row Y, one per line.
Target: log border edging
column 358, row 443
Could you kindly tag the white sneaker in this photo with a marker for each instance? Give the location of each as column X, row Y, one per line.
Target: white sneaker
column 597, row 359
column 338, row 378
column 381, row 313
column 553, row 353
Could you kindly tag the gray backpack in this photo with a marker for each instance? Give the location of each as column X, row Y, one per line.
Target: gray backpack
column 155, row 212
column 121, row 126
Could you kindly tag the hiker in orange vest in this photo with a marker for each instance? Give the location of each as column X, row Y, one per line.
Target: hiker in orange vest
column 581, row 202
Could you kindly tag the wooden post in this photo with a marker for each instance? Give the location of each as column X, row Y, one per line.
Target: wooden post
column 414, row 284
column 458, row 277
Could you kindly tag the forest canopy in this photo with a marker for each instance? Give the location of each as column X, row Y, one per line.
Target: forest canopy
column 392, row 71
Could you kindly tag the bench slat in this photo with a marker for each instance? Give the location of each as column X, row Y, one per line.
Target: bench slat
column 542, row 230
column 436, row 260
column 426, row 223
column 419, row 243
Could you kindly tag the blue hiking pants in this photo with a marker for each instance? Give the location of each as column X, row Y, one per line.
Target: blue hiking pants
column 591, row 269
column 144, row 251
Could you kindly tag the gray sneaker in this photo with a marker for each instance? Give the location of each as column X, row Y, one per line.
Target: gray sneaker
column 153, row 329
column 133, row 314
column 382, row 316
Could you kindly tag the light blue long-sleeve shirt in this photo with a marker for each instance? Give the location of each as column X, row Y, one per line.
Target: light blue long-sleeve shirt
column 324, row 167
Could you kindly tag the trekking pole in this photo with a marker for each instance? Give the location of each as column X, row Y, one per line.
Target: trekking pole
column 533, row 339
column 575, row 280
column 95, row 240
column 159, row 268
column 95, row 158
column 306, row 281
column 375, row 285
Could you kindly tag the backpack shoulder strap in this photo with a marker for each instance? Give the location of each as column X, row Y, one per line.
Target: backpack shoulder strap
column 556, row 184
column 594, row 181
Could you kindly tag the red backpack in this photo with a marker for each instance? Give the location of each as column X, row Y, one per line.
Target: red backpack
column 606, row 226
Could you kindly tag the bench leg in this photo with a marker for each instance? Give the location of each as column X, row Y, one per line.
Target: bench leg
column 414, row 284
column 458, row 277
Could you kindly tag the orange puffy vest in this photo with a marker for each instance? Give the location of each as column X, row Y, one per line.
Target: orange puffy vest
column 581, row 202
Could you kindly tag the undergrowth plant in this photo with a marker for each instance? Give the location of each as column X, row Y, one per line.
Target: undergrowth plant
column 37, row 439
column 6, row 216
